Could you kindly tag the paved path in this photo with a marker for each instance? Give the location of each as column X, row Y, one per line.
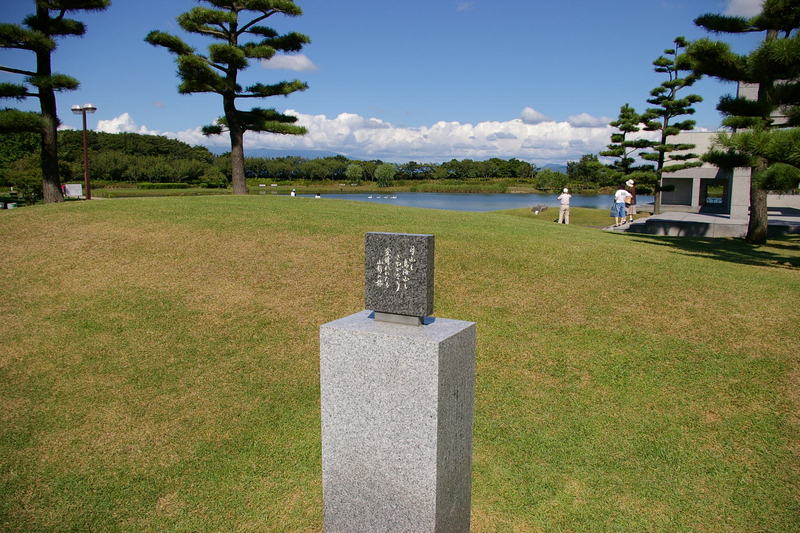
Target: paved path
column 701, row 224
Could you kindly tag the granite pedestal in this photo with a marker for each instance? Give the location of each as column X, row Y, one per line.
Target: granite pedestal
column 397, row 408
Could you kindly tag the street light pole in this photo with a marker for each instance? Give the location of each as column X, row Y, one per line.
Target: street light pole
column 82, row 110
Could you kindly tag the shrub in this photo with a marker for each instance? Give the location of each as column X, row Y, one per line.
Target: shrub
column 385, row 173
column 26, row 177
column 213, row 178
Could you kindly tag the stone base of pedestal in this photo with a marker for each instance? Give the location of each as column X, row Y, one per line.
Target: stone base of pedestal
column 397, row 405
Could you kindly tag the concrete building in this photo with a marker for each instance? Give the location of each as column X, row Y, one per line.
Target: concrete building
column 708, row 189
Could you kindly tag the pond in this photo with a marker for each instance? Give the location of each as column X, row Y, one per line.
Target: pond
column 477, row 202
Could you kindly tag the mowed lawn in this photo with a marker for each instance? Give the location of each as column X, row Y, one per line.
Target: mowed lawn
column 159, row 367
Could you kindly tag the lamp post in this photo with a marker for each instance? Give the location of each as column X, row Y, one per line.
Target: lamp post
column 82, row 110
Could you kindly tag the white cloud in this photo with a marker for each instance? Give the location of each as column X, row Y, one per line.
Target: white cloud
column 531, row 116
column 501, row 135
column 744, row 8
column 296, row 62
column 372, row 138
column 357, row 137
column 123, row 124
column 585, row 120
column 465, row 6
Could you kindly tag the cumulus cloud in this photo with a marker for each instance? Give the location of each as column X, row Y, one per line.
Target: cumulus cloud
column 296, row 62
column 361, row 137
column 744, row 8
column 531, row 116
column 500, row 135
column 123, row 124
column 585, row 120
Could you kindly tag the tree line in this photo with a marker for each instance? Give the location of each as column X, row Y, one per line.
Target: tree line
column 134, row 157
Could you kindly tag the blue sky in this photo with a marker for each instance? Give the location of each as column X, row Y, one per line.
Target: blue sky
column 424, row 80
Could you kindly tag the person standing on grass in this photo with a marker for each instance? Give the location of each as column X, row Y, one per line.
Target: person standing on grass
column 630, row 202
column 563, row 213
column 618, row 211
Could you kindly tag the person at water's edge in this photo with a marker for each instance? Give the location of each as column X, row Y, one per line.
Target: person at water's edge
column 563, row 213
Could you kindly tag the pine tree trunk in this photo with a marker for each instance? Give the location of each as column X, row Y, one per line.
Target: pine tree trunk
column 757, row 227
column 657, row 205
column 759, row 219
column 660, row 167
column 236, row 132
column 51, row 182
column 237, row 161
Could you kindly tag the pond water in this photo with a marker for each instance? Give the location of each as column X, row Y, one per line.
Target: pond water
column 477, row 202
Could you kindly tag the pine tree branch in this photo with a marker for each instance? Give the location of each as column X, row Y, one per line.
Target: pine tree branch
column 285, row 88
column 13, row 36
column 171, row 42
column 14, row 90
column 17, row 71
column 724, row 24
column 255, row 21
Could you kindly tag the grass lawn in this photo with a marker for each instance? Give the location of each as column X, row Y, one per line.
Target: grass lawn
column 579, row 216
column 159, row 367
column 134, row 192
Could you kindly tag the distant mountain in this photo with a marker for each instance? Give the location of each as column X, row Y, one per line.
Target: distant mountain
column 556, row 167
column 266, row 152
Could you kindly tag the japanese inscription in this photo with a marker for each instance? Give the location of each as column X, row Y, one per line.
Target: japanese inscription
column 399, row 273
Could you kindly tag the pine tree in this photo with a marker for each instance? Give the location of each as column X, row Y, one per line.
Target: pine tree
column 217, row 72
column 38, row 36
column 775, row 67
column 623, row 148
column 669, row 107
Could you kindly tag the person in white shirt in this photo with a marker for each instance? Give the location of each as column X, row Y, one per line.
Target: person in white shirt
column 630, row 203
column 563, row 213
column 618, row 211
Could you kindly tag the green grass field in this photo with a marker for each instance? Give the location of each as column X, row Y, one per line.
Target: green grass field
column 159, row 367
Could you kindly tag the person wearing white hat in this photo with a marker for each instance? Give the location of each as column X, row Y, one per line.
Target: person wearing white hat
column 563, row 213
column 630, row 201
column 618, row 210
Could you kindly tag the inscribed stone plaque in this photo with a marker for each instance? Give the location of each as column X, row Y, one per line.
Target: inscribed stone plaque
column 398, row 273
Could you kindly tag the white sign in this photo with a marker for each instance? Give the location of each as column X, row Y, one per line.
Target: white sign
column 73, row 190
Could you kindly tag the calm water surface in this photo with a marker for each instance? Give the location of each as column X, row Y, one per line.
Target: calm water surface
column 477, row 202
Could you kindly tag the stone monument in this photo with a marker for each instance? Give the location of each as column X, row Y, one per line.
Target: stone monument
column 397, row 392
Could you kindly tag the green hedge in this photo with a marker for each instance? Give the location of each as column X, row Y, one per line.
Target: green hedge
column 147, row 185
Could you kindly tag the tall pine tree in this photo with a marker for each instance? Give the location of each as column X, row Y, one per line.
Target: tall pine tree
column 756, row 128
column 232, row 23
column 668, row 107
column 38, row 35
column 623, row 148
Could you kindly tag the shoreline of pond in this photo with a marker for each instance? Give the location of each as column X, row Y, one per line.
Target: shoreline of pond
column 472, row 201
